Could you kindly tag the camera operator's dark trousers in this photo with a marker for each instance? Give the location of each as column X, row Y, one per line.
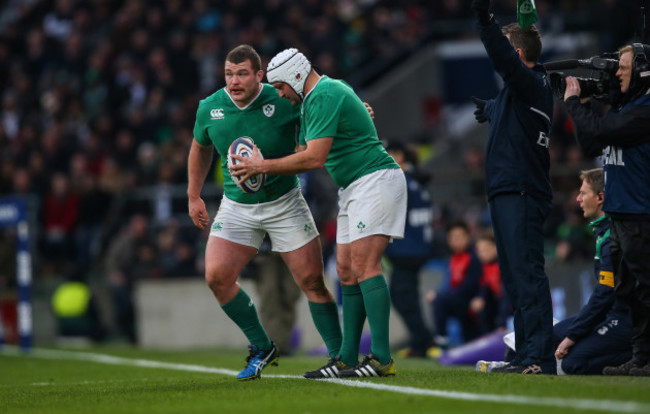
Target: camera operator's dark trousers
column 517, row 219
column 630, row 253
column 608, row 345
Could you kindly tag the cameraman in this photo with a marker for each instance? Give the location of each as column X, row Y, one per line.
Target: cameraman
column 622, row 136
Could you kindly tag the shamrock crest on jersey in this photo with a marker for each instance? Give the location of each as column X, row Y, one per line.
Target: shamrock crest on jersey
column 268, row 110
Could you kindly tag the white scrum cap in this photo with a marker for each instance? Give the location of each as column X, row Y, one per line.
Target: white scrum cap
column 290, row 67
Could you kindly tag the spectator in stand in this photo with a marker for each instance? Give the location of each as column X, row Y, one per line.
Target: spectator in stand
column 131, row 246
column 60, row 215
column 491, row 304
column 94, row 204
column 452, row 301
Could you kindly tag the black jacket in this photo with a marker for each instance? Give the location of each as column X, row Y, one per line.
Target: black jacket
column 517, row 158
column 623, row 138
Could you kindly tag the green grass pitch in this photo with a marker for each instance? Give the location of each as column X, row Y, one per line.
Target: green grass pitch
column 130, row 380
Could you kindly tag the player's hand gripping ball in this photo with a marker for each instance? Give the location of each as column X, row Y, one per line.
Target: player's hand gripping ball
column 244, row 148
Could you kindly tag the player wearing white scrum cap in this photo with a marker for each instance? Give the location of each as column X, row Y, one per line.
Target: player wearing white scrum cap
column 340, row 135
column 290, row 67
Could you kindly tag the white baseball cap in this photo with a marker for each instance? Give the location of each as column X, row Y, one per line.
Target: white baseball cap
column 290, row 67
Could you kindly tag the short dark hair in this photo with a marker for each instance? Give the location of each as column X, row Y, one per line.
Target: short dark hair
column 486, row 235
column 242, row 53
column 410, row 156
column 458, row 224
column 529, row 40
column 594, row 178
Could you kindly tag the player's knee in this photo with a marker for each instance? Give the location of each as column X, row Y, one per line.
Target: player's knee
column 362, row 270
column 573, row 366
column 313, row 282
column 217, row 282
column 345, row 271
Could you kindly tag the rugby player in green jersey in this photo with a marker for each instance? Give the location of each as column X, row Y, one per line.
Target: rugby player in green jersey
column 246, row 107
column 340, row 135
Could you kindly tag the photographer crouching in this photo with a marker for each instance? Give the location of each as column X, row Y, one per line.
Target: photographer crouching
column 622, row 136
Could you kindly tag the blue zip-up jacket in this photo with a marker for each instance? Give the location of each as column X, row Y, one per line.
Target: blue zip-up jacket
column 517, row 159
column 623, row 138
column 602, row 304
column 418, row 232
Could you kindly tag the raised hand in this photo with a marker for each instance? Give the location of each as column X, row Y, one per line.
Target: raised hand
column 481, row 9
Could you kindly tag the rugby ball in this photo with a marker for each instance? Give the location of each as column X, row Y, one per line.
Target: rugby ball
column 244, row 147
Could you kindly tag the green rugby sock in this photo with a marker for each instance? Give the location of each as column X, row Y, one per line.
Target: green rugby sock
column 242, row 311
column 376, row 299
column 354, row 316
column 326, row 319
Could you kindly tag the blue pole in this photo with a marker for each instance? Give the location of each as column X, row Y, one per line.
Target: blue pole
column 13, row 213
column 24, row 278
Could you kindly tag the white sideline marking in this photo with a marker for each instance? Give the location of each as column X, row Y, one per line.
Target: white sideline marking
column 575, row 403
column 99, row 382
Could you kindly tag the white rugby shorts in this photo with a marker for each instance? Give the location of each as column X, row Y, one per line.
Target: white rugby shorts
column 373, row 204
column 287, row 220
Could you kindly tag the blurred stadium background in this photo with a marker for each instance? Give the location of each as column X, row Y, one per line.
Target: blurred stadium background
column 98, row 101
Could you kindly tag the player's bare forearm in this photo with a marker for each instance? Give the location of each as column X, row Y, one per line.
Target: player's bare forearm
column 198, row 212
column 292, row 164
column 312, row 158
column 198, row 165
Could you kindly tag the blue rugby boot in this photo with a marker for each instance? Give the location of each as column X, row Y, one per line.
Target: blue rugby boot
column 257, row 360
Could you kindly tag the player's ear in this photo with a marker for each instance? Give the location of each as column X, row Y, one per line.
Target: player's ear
column 521, row 54
column 600, row 196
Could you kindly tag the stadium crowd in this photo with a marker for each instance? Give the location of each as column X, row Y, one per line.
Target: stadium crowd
column 99, row 97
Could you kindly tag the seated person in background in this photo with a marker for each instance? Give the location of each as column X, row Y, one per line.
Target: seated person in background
column 465, row 272
column 601, row 333
column 491, row 305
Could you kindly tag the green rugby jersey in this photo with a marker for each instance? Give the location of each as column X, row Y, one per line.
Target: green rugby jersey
column 270, row 121
column 332, row 109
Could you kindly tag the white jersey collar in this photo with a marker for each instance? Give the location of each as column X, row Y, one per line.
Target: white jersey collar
column 313, row 87
column 259, row 92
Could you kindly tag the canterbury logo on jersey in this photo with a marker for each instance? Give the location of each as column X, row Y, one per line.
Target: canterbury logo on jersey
column 216, row 113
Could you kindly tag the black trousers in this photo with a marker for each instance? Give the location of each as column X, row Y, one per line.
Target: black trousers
column 630, row 253
column 405, row 295
column 518, row 220
column 608, row 345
